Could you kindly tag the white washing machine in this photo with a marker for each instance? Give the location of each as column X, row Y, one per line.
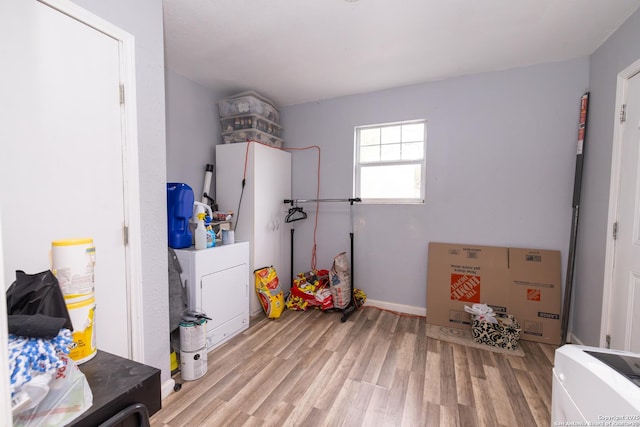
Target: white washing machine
column 595, row 385
column 217, row 283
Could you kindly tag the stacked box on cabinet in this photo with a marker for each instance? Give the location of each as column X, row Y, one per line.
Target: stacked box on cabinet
column 248, row 116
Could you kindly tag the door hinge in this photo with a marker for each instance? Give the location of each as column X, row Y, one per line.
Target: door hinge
column 623, row 113
column 608, row 340
column 121, row 93
column 125, row 235
column 615, row 230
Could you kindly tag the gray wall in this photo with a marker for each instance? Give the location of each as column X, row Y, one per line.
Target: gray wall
column 143, row 19
column 618, row 52
column 193, row 129
column 501, row 151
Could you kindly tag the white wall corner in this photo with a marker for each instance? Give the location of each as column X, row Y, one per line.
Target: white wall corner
column 571, row 338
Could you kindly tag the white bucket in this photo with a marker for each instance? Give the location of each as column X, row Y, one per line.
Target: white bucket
column 193, row 364
column 193, row 335
column 73, row 261
column 83, row 319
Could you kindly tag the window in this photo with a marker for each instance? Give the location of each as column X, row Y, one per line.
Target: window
column 390, row 162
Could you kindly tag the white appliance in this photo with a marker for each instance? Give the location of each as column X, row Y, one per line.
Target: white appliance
column 217, row 283
column 260, row 220
column 595, row 385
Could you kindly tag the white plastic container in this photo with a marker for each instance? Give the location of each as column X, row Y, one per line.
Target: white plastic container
column 234, row 123
column 73, row 262
column 245, row 135
column 248, row 103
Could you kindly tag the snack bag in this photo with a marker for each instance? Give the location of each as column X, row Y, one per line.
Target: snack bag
column 269, row 292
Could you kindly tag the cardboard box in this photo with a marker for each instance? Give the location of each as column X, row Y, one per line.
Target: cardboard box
column 522, row 282
column 535, row 293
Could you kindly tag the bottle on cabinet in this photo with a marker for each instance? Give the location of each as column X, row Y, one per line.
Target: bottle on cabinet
column 200, row 233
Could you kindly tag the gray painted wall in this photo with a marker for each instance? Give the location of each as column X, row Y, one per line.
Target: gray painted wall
column 618, row 52
column 500, row 165
column 192, row 130
column 143, row 19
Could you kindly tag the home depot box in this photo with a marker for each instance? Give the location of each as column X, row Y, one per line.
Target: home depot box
column 522, row 282
column 459, row 275
column 535, row 293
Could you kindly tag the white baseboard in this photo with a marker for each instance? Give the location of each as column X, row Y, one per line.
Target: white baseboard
column 408, row 309
column 167, row 388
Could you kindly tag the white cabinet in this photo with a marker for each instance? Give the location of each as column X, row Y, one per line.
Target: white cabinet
column 260, row 219
column 217, row 283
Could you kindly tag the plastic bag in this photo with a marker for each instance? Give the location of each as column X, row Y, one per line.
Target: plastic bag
column 269, row 292
column 37, row 294
column 69, row 397
column 310, row 289
column 340, row 279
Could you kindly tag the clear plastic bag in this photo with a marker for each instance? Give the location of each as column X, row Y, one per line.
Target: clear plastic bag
column 340, row 280
column 69, row 397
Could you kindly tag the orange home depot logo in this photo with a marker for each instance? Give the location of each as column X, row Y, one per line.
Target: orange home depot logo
column 533, row 294
column 465, row 288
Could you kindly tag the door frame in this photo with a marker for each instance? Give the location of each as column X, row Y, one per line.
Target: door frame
column 130, row 169
column 614, row 195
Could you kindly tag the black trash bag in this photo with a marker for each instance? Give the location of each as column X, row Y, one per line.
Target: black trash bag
column 35, row 325
column 37, row 294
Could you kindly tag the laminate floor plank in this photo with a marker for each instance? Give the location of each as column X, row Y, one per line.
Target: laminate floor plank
column 476, row 368
column 389, row 365
column 519, row 403
column 406, row 351
column 374, row 413
column 376, row 369
column 397, row 397
column 499, row 397
column 540, row 410
column 464, row 389
column 420, row 354
column 413, row 403
column 448, row 389
column 432, row 379
column 484, row 408
column 355, row 415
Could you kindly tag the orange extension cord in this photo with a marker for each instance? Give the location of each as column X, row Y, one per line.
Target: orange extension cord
column 315, row 227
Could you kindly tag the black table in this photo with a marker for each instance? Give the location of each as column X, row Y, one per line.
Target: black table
column 117, row 383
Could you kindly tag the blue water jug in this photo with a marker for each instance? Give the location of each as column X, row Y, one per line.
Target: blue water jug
column 179, row 211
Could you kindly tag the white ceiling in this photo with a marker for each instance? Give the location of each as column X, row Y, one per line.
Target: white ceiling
column 295, row 51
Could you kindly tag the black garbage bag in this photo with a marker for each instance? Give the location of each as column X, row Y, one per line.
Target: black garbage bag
column 37, row 294
column 35, row 325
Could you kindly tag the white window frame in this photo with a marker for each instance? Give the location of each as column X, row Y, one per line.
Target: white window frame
column 358, row 165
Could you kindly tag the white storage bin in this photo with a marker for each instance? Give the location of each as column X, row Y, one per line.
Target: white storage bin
column 245, row 135
column 235, row 123
column 247, row 103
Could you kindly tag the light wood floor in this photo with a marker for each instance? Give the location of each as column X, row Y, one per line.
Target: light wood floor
column 376, row 369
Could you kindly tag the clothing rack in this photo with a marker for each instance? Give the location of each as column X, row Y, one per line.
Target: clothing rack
column 349, row 309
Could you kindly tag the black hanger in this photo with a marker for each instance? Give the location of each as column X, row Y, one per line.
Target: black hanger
column 295, row 214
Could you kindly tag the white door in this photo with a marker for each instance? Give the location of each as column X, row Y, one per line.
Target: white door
column 62, row 162
column 272, row 168
column 624, row 325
